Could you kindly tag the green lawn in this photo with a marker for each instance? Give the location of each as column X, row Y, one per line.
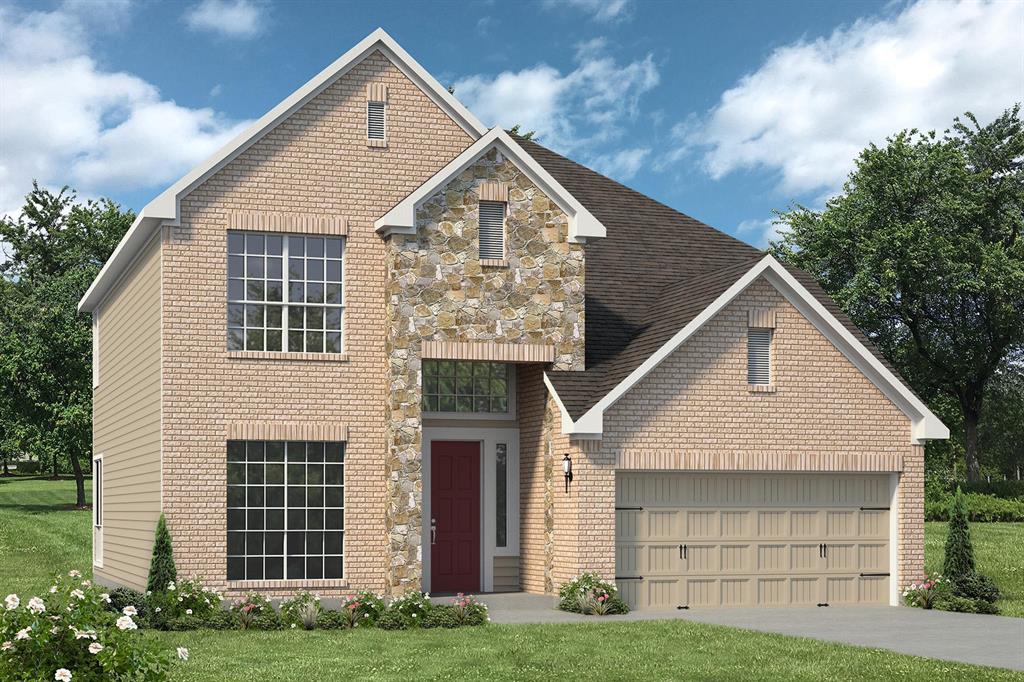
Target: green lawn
column 998, row 552
column 40, row 534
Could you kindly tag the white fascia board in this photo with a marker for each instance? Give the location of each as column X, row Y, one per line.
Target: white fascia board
column 924, row 424
column 583, row 429
column 165, row 207
column 402, row 218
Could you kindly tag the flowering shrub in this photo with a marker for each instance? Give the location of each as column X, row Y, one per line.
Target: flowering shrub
column 405, row 612
column 301, row 610
column 925, row 593
column 250, row 608
column 365, row 608
column 180, row 600
column 588, row 594
column 71, row 634
column 469, row 611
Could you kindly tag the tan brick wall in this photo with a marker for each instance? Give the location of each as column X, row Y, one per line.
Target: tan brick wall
column 315, row 163
column 535, row 482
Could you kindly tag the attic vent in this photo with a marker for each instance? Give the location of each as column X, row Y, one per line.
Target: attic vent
column 375, row 120
column 492, row 229
column 759, row 346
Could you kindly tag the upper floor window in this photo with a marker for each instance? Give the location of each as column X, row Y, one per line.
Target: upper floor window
column 285, row 292
column 759, row 346
column 492, row 229
column 466, row 387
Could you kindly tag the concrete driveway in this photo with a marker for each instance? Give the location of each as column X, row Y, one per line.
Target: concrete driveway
column 964, row 637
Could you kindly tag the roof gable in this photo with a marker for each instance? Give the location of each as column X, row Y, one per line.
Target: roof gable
column 165, row 207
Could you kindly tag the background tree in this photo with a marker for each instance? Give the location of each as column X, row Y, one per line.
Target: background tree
column 162, row 570
column 922, row 249
column 56, row 247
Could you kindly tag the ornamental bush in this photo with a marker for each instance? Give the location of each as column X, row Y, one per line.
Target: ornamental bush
column 73, row 632
column 588, row 594
column 409, row 609
column 162, row 570
column 247, row 610
column 302, row 610
column 925, row 593
column 189, row 598
column 977, row 586
column 952, row 602
column 959, row 561
column 366, row 608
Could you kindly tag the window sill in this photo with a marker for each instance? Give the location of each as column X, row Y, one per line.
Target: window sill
column 277, row 355
column 494, row 262
column 382, row 144
column 761, row 388
column 286, row 584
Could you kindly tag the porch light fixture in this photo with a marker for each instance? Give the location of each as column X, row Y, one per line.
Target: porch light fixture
column 567, row 468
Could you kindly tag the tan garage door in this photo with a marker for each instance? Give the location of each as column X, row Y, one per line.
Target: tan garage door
column 706, row 540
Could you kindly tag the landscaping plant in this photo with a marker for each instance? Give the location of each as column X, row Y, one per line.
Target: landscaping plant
column 971, row 591
column 301, row 610
column 250, row 608
column 588, row 594
column 926, row 593
column 162, row 570
column 71, row 634
column 186, row 600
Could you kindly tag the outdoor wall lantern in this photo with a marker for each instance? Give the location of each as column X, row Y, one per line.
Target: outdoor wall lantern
column 567, row 468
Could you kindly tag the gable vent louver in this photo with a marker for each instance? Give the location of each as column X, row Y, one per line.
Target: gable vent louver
column 375, row 120
column 492, row 229
column 759, row 345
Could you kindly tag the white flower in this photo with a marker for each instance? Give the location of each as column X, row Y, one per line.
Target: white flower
column 12, row 602
column 158, row 609
column 6, row 646
column 54, row 630
column 78, row 594
column 75, row 574
column 293, row 625
column 53, row 589
column 171, row 587
column 62, row 675
column 105, row 597
column 149, row 593
column 86, row 583
column 182, row 653
column 22, row 634
column 95, row 648
column 35, row 605
column 181, row 599
column 129, row 611
column 207, row 601
column 126, row 623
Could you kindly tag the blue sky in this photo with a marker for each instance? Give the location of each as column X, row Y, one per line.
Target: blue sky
column 723, row 110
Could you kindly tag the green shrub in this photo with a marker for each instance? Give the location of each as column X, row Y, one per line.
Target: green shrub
column 301, row 610
column 951, row 602
column 332, row 620
column 409, row 608
column 181, row 600
column 588, row 594
column 441, row 616
column 247, row 610
column 268, row 620
column 976, row 586
column 392, row 620
column 182, row 623
column 1009, row 489
column 364, row 609
column 125, row 596
column 925, row 594
column 959, row 560
column 28, row 467
column 162, row 571
column 979, row 507
column 469, row 611
column 73, row 629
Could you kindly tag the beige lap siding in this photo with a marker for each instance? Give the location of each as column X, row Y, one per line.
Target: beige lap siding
column 126, row 421
column 824, row 414
column 316, row 163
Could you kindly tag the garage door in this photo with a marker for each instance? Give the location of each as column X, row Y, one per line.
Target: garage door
column 707, row 540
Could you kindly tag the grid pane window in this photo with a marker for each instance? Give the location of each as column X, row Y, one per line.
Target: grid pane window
column 458, row 386
column 285, row 292
column 286, row 510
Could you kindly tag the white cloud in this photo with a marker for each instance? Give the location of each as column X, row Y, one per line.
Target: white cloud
column 812, row 106
column 621, row 165
column 572, row 111
column 759, row 232
column 599, row 10
column 66, row 120
column 229, row 18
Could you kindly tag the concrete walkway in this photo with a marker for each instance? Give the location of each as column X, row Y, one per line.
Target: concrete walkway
column 965, row 637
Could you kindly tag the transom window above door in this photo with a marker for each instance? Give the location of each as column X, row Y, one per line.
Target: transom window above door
column 467, row 387
column 285, row 292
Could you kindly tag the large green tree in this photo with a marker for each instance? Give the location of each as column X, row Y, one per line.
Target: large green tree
column 923, row 250
column 54, row 249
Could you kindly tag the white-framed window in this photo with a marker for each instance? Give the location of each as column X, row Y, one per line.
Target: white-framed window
column 285, row 292
column 286, row 510
column 96, row 348
column 759, row 353
column 492, row 229
column 468, row 387
column 376, row 120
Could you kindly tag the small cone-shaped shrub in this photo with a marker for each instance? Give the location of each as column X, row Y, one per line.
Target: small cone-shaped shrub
column 161, row 568
column 959, row 560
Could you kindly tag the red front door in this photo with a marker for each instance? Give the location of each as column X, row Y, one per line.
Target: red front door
column 455, row 516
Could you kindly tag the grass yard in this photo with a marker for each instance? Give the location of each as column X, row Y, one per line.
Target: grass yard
column 998, row 552
column 40, row 534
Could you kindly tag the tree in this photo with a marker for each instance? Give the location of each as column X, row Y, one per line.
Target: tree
column 162, row 570
column 959, row 559
column 56, row 247
column 528, row 135
column 923, row 250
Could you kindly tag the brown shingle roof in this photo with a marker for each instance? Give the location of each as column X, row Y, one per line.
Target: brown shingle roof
column 655, row 271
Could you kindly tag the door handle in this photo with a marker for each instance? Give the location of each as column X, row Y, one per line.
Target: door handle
column 684, row 551
column 433, row 531
column 824, row 547
column 821, row 551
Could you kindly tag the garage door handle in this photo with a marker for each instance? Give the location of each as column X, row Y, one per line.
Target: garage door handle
column 682, row 551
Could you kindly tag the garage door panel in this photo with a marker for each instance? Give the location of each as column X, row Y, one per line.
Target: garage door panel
column 751, row 539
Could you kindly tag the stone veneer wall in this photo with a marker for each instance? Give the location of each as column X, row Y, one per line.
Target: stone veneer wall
column 438, row 290
column 316, row 163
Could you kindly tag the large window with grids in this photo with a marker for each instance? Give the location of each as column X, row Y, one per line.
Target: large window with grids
column 286, row 510
column 466, row 386
column 285, row 292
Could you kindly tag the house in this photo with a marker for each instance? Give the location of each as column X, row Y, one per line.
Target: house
column 364, row 343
